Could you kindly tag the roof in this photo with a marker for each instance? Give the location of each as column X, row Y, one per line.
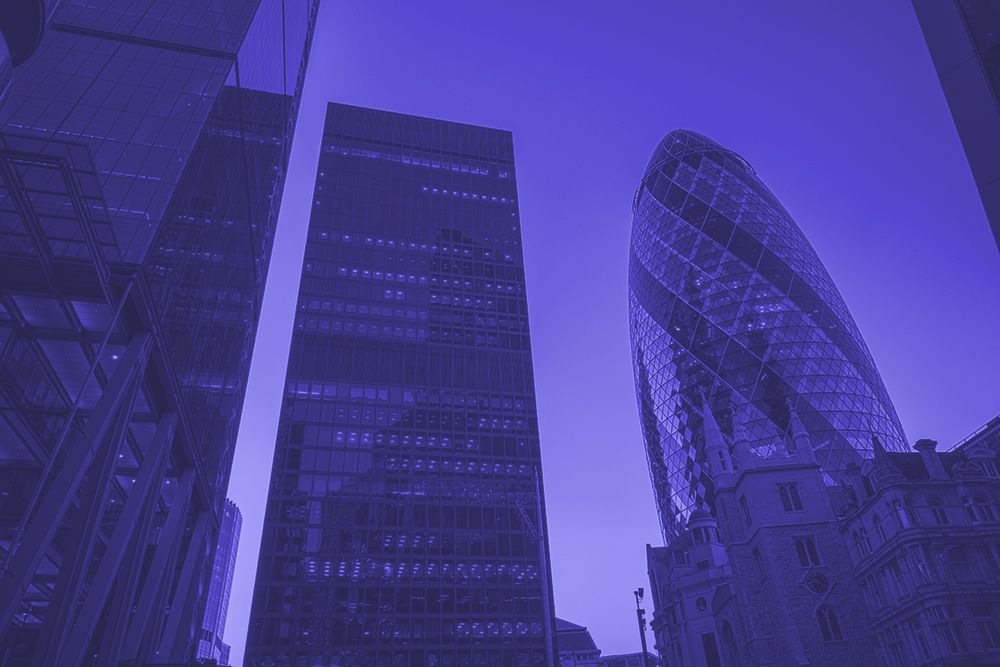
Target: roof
column 699, row 513
column 574, row 638
column 911, row 465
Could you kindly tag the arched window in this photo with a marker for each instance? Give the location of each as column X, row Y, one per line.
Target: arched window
column 730, row 651
column 904, row 513
column 984, row 509
column 877, row 523
column 723, row 462
column 938, row 511
column 970, row 511
column 829, row 626
column 861, row 539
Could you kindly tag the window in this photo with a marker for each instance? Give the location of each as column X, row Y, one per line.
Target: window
column 760, row 564
column 938, row 511
column 746, row 511
column 790, row 499
column 984, row 509
column 876, row 589
column 829, row 626
column 970, row 511
column 947, row 629
column 920, row 637
column 989, row 468
column 924, row 573
column 904, row 513
column 861, row 539
column 705, row 534
column 986, row 624
column 877, row 523
column 805, row 549
column 992, row 562
column 723, row 462
column 961, row 566
column 892, row 639
column 896, row 572
column 712, row 658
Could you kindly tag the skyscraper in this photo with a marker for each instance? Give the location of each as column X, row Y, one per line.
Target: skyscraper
column 405, row 521
column 142, row 157
column 963, row 37
column 728, row 299
column 213, row 622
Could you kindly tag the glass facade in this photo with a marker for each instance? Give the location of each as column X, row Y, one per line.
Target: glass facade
column 727, row 299
column 143, row 149
column 405, row 519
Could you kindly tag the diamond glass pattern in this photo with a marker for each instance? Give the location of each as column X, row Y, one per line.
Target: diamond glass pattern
column 727, row 299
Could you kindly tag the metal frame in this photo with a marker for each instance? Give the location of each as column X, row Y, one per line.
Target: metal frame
column 121, row 610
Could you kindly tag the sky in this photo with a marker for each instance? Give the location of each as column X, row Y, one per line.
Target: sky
column 836, row 105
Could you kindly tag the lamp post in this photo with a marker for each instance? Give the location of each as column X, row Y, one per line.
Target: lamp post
column 640, row 615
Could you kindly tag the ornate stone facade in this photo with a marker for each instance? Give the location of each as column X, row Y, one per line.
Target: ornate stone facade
column 896, row 563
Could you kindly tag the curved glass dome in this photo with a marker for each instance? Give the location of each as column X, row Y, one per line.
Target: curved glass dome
column 727, row 299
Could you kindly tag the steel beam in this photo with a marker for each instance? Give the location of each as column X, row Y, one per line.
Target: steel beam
column 26, row 553
column 72, row 651
column 119, row 607
column 140, row 634
column 76, row 559
column 185, row 594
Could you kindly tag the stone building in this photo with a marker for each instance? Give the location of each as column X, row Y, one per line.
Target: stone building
column 896, row 563
column 923, row 537
column 577, row 648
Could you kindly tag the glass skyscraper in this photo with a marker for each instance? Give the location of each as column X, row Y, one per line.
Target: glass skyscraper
column 963, row 37
column 405, row 521
column 729, row 303
column 143, row 148
column 213, row 623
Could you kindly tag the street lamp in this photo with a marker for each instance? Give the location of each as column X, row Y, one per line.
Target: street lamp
column 640, row 615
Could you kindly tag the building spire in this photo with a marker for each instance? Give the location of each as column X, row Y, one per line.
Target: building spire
column 800, row 436
column 716, row 449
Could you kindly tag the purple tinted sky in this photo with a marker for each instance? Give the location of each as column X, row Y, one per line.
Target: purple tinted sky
column 837, row 106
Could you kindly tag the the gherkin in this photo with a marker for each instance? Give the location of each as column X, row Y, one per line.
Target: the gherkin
column 728, row 300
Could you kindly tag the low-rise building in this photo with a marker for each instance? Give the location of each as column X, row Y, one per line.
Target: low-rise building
column 578, row 649
column 898, row 563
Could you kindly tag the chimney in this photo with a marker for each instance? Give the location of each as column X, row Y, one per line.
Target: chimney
column 932, row 460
